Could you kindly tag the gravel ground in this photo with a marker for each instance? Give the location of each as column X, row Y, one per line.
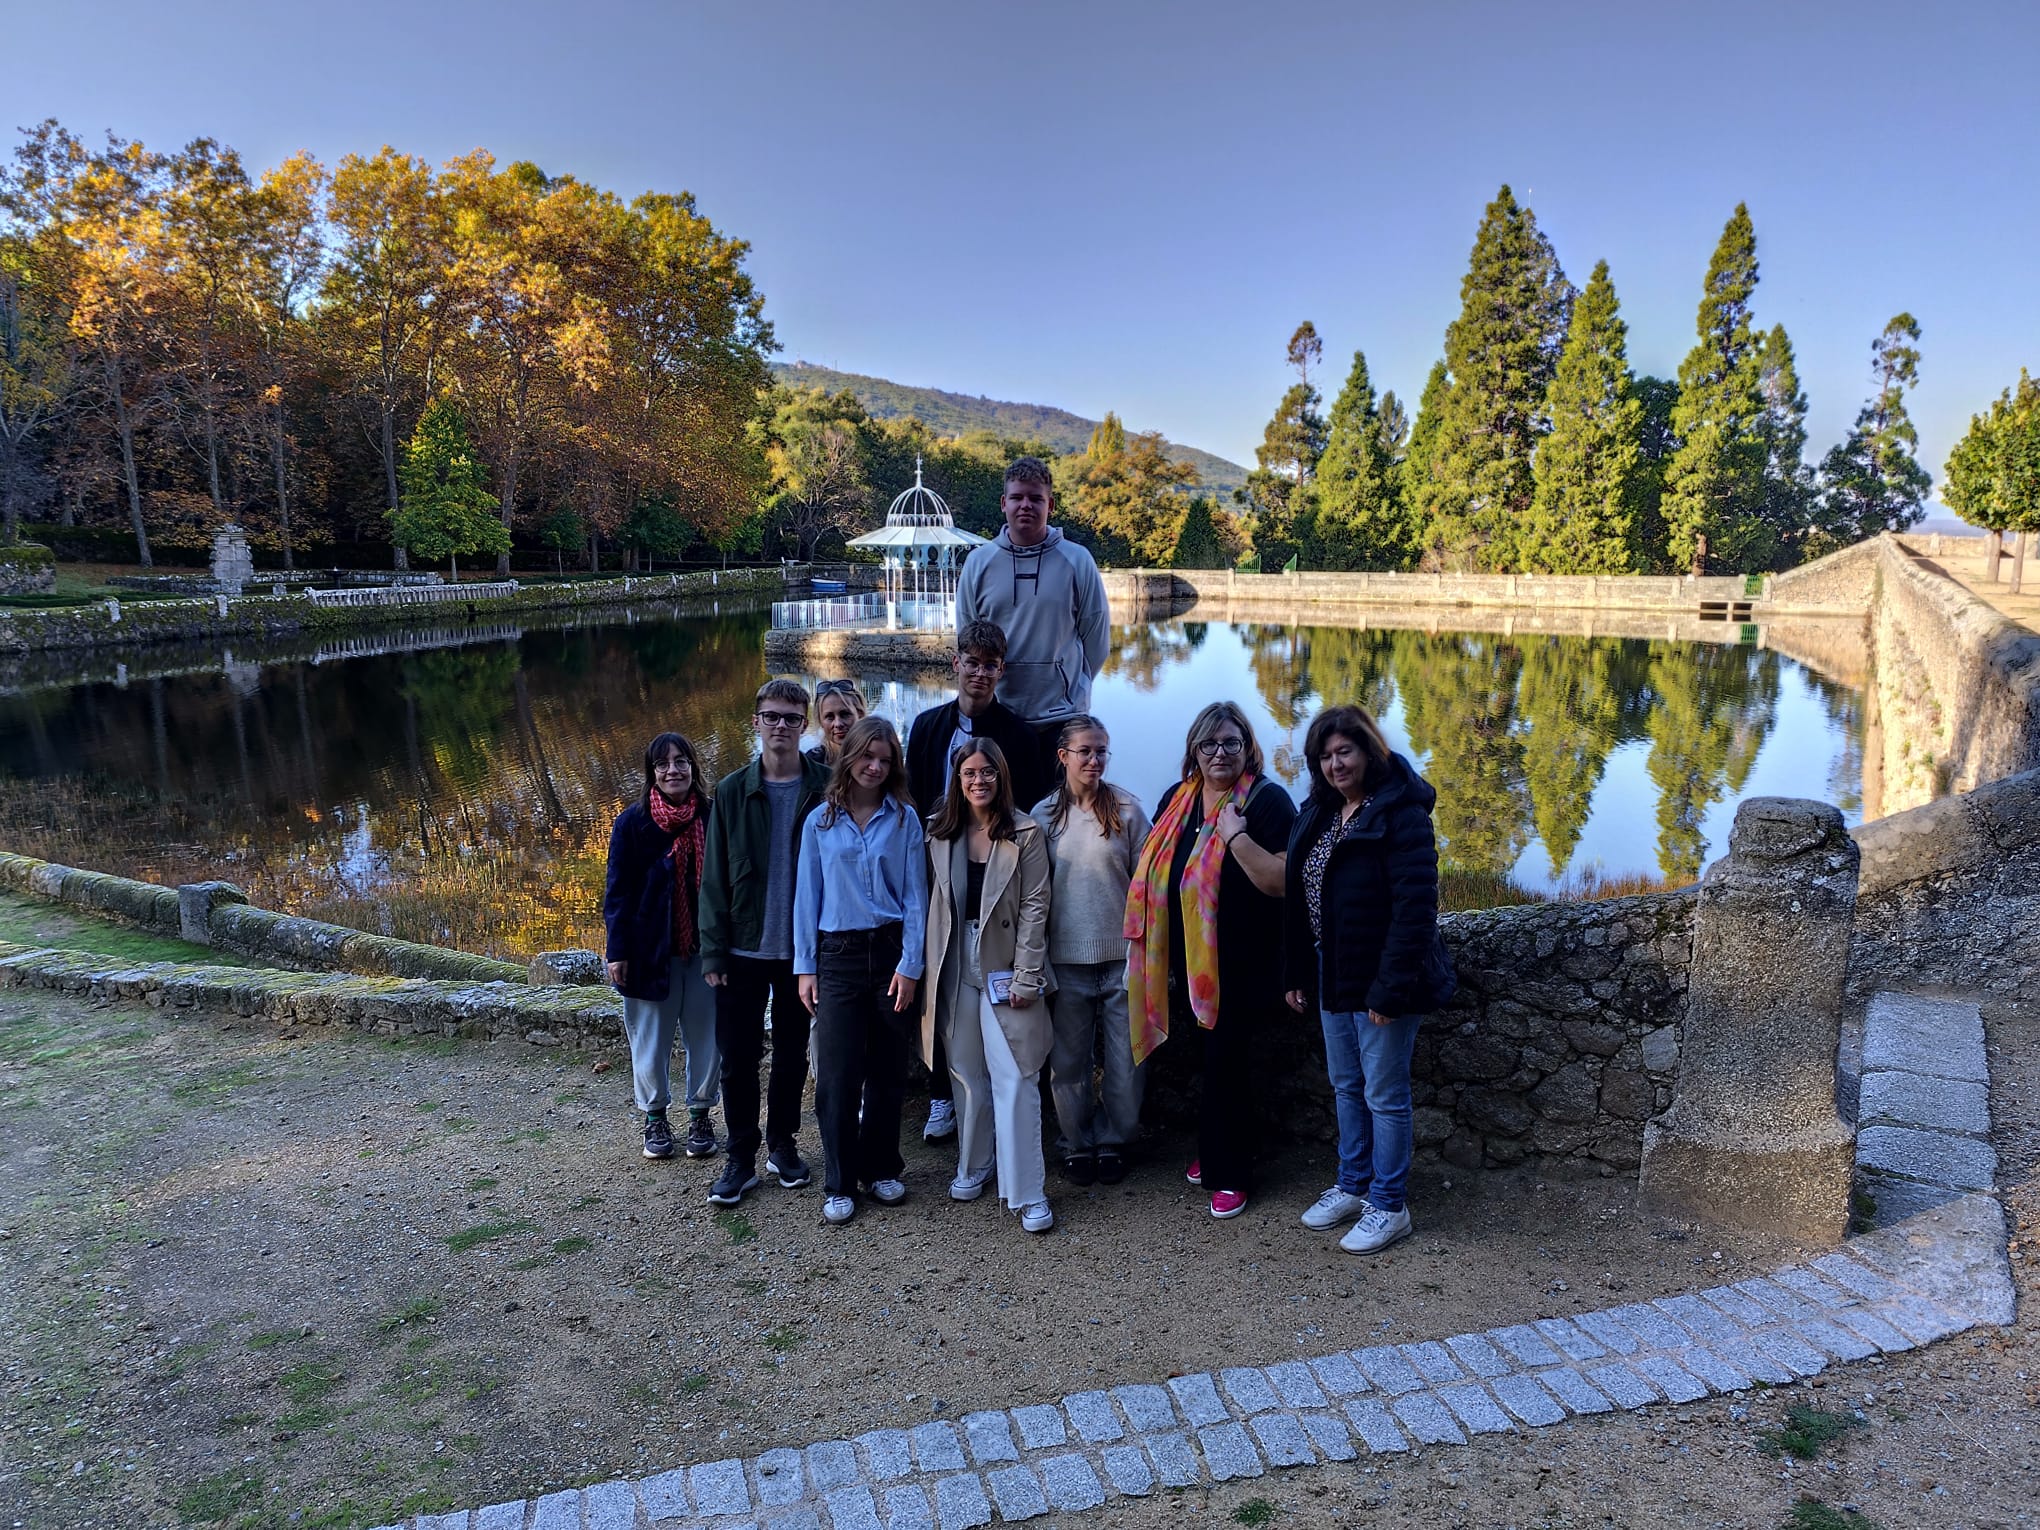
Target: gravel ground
column 275, row 1279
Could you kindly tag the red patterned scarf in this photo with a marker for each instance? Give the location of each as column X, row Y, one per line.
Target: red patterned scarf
column 685, row 823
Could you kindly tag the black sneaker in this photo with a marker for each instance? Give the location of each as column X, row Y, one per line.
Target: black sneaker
column 734, row 1180
column 658, row 1136
column 1111, row 1166
column 699, row 1141
column 1080, row 1169
column 786, row 1163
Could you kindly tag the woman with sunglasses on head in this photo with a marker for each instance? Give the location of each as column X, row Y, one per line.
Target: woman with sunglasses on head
column 860, row 915
column 988, row 900
column 651, row 906
column 1094, row 831
column 1362, row 949
column 838, row 704
column 1204, row 919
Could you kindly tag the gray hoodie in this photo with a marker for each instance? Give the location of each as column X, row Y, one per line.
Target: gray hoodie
column 1050, row 602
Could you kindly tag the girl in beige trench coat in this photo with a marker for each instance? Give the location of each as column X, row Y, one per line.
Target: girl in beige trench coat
column 987, row 972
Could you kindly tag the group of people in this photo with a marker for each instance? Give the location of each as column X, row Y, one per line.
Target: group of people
column 980, row 888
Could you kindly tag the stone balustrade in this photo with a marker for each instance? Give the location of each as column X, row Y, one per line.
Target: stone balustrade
column 411, row 594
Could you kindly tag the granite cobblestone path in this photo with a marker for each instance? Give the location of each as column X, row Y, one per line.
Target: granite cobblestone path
column 1933, row 1266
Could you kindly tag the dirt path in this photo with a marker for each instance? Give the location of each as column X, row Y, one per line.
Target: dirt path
column 267, row 1279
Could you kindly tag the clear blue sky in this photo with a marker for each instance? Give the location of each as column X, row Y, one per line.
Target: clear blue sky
column 1118, row 206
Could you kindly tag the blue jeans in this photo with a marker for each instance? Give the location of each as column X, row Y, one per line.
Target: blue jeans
column 1370, row 1069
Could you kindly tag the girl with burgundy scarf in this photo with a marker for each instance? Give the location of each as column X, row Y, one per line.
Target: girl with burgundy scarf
column 651, row 907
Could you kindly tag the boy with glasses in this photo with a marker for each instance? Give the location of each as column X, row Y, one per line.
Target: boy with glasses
column 747, row 938
column 933, row 743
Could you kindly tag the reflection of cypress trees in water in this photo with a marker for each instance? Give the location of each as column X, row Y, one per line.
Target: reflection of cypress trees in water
column 1459, row 707
column 1570, row 714
column 1714, row 707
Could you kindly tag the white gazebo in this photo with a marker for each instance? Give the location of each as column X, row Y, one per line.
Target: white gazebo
column 922, row 546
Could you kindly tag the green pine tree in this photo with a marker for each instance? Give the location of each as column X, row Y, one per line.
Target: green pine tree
column 444, row 509
column 1420, row 449
column 1501, row 352
column 1714, row 488
column 1356, row 520
column 1780, row 529
column 1582, row 517
column 1198, row 544
column 1872, row 481
column 1658, row 398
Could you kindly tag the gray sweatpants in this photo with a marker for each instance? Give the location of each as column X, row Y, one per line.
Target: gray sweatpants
column 1096, row 1108
column 689, row 1011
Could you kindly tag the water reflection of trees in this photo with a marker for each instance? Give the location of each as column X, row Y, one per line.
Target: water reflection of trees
column 455, row 794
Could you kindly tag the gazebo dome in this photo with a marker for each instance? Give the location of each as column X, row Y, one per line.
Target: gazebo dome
column 919, row 519
column 919, row 506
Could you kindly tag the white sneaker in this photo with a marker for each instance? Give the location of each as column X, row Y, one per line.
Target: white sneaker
column 941, row 1120
column 1332, row 1208
column 968, row 1187
column 838, row 1208
column 888, row 1192
column 1376, row 1230
column 1037, row 1216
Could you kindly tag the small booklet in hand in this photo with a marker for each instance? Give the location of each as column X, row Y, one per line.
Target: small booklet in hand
column 1000, row 986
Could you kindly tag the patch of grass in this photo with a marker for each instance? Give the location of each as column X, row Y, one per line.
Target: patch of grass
column 643, row 1393
column 571, row 1245
column 535, row 1262
column 458, row 1124
column 486, row 1232
column 428, row 1104
column 784, row 1338
column 738, row 1227
column 1805, row 1431
column 221, row 1496
column 270, row 1338
column 31, row 922
column 1255, row 1511
column 411, row 1385
column 231, row 1421
column 754, row 1287
column 530, row 1134
column 310, row 1383
column 696, row 1381
column 1812, row 1514
column 481, row 1387
column 419, row 1309
column 211, row 1083
column 477, row 1186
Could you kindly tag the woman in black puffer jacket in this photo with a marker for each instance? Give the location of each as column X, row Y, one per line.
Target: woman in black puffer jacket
column 1360, row 941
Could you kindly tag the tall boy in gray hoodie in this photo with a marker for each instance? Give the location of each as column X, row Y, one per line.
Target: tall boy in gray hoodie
column 1045, row 594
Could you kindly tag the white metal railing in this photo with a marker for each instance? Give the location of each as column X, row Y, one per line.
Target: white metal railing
column 863, row 610
column 409, row 594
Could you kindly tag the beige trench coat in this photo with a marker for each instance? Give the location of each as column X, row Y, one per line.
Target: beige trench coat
column 1012, row 933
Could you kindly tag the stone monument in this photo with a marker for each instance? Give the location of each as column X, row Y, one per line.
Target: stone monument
column 1753, row 1135
column 232, row 564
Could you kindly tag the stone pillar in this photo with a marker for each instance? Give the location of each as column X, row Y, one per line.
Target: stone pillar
column 233, row 566
column 566, row 969
column 195, row 903
column 1753, row 1136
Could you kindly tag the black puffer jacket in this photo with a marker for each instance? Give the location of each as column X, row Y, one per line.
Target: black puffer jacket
column 1381, row 948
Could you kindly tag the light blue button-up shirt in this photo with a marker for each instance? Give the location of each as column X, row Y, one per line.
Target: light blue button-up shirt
column 859, row 879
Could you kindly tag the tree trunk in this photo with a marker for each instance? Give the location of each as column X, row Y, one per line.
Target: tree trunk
column 124, row 423
column 283, row 492
column 453, row 567
column 212, row 461
column 389, row 457
column 594, row 552
column 509, row 500
column 2019, row 561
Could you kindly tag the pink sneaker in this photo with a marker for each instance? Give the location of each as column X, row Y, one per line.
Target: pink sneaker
column 1195, row 1173
column 1227, row 1203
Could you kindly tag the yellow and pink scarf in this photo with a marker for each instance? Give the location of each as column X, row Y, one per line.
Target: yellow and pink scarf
column 1147, row 918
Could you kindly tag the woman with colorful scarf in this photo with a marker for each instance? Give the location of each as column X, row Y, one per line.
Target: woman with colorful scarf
column 1204, row 926
column 651, row 907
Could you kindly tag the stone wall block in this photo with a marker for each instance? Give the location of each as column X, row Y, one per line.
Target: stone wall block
column 1567, row 1095
column 1594, row 1038
column 1753, row 1135
column 1485, row 1058
column 195, row 904
column 566, row 969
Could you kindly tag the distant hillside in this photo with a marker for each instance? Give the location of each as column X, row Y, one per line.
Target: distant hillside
column 952, row 414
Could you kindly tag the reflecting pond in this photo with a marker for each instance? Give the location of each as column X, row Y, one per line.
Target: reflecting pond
column 461, row 792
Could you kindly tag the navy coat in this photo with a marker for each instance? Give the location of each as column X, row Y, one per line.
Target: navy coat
column 1381, row 948
column 637, row 903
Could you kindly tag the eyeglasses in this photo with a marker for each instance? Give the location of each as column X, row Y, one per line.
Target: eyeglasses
column 979, row 667
column 663, row 766
column 974, row 777
column 1089, row 753
column 835, row 688
column 781, row 719
column 1216, row 746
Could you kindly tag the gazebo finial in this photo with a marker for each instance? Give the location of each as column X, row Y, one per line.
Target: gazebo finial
column 917, row 470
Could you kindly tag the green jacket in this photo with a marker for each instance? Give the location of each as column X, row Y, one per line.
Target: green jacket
column 739, row 842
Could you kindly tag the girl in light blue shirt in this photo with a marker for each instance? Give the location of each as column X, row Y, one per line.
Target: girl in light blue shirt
column 860, row 917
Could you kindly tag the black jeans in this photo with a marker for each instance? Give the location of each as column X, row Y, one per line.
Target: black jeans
column 740, row 1037
column 860, row 1057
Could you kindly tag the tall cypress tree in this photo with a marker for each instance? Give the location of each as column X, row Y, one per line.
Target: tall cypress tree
column 1771, row 540
column 1356, row 521
column 1872, row 481
column 1584, row 509
column 1421, row 449
column 1501, row 352
column 1657, row 443
column 1715, row 485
